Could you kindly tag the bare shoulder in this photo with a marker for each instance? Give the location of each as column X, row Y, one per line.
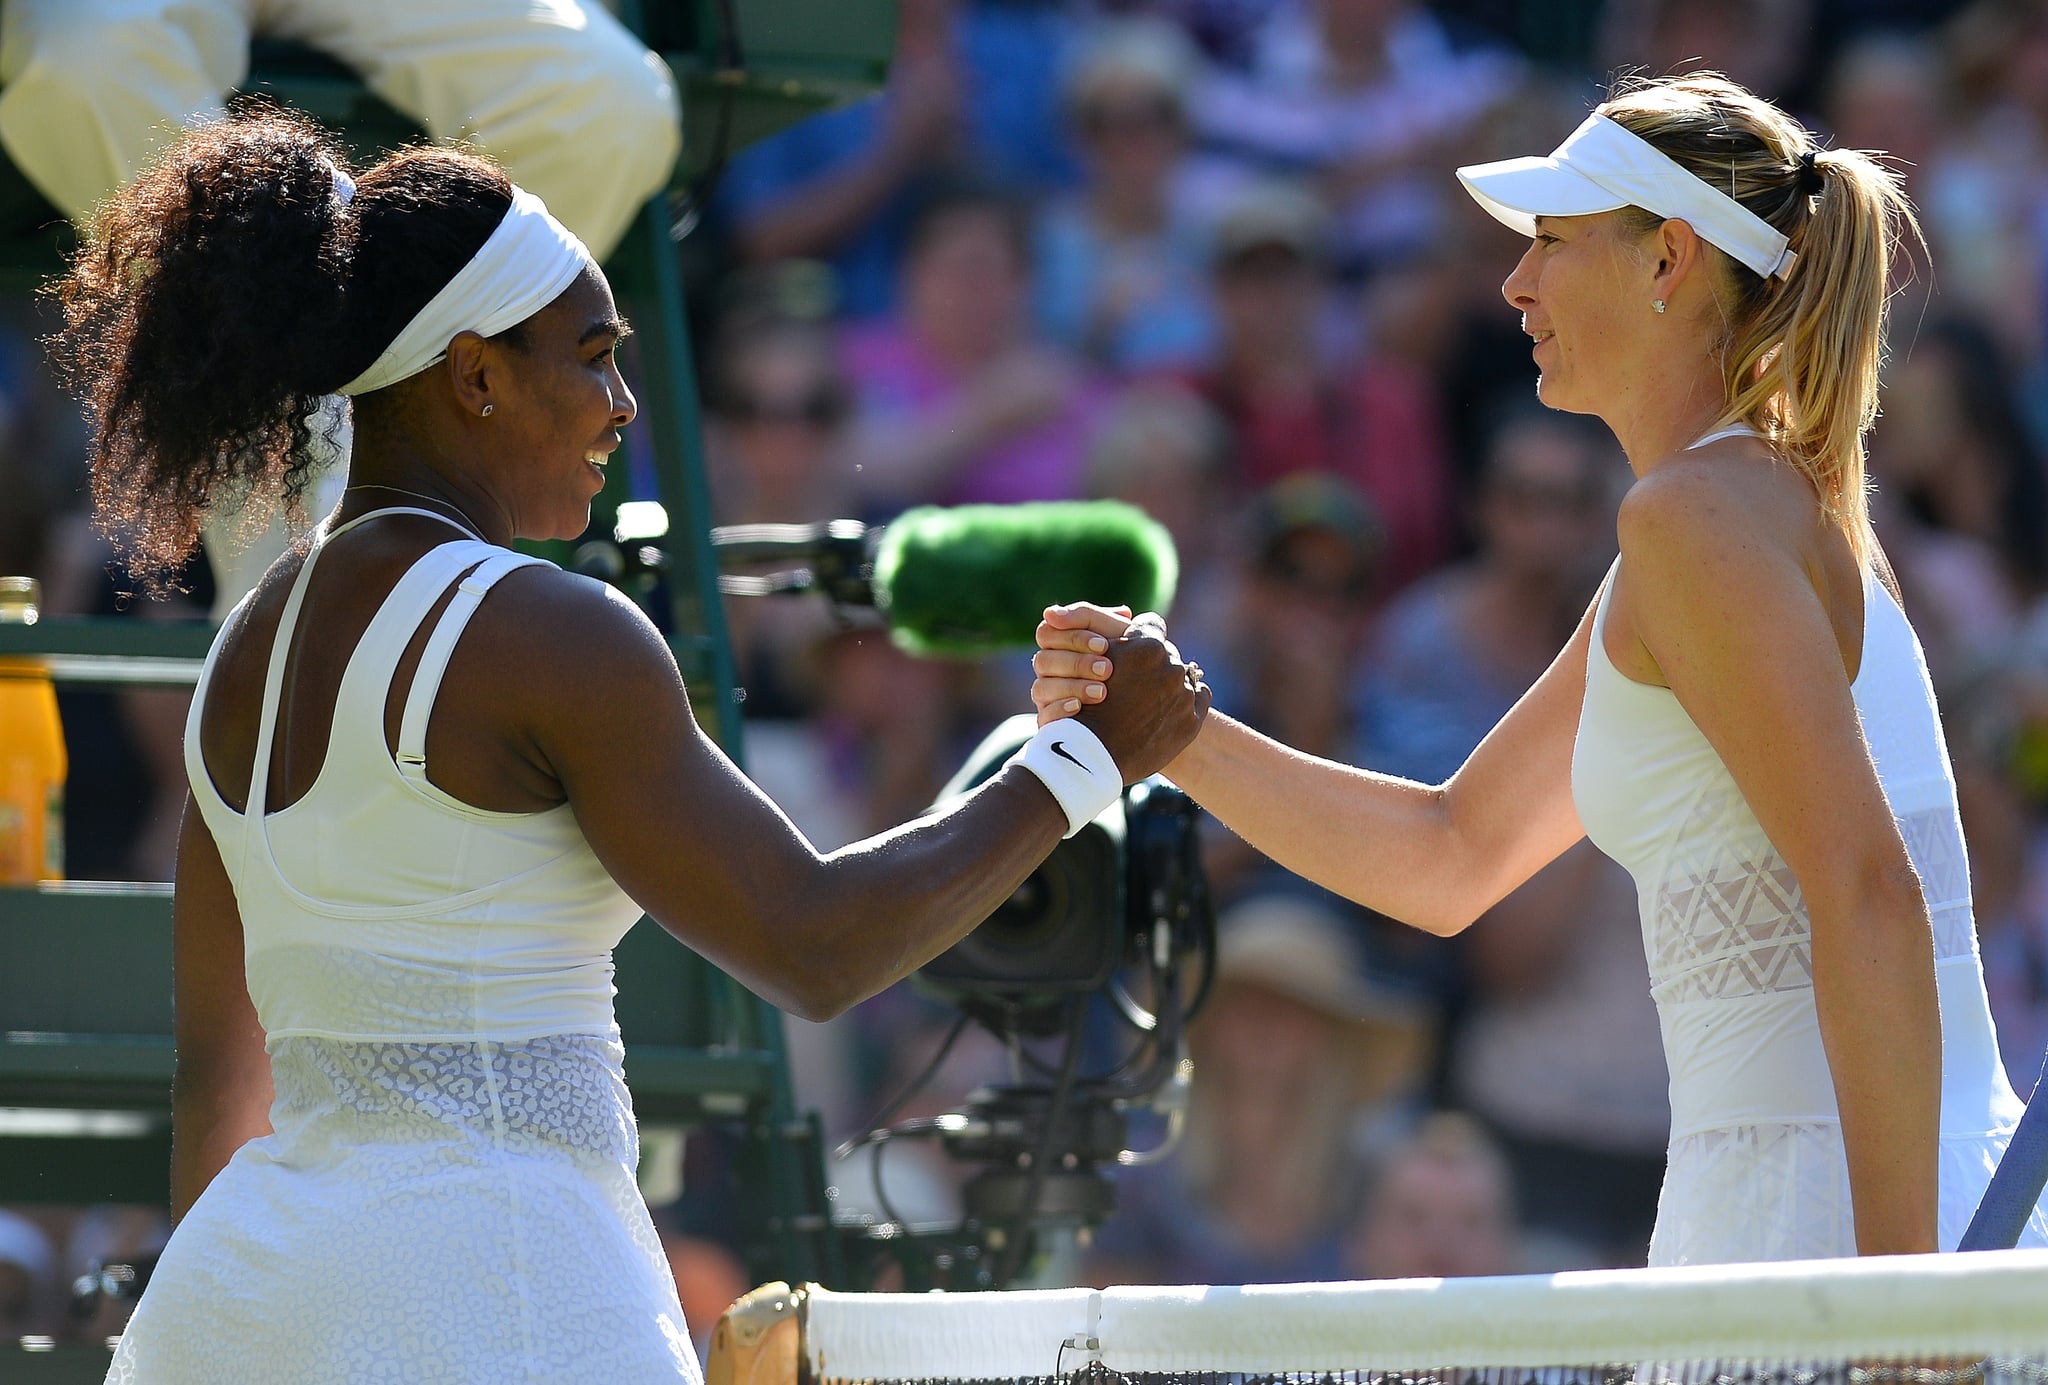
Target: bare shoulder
column 554, row 632
column 1730, row 487
column 1720, row 551
column 247, row 636
column 1711, row 513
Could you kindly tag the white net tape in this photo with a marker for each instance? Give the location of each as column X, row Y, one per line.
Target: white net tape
column 1934, row 1318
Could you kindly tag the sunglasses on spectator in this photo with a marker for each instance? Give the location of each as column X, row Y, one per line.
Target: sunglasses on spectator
column 818, row 409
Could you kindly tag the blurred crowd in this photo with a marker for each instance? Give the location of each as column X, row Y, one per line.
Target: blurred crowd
column 1208, row 257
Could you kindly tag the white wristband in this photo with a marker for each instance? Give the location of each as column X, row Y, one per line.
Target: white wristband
column 1082, row 774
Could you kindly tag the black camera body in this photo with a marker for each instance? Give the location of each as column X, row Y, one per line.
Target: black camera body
column 1100, row 901
column 1121, row 911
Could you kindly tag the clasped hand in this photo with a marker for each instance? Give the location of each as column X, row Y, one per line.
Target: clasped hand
column 1160, row 701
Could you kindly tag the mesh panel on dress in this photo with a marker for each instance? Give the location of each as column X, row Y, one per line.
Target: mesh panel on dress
column 563, row 1093
column 1737, row 924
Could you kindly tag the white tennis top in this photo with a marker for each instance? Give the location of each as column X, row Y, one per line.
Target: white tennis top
column 379, row 907
column 1756, row 1169
column 448, row 1190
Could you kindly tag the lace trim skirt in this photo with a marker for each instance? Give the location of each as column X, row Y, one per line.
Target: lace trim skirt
column 423, row 1213
column 1781, row 1192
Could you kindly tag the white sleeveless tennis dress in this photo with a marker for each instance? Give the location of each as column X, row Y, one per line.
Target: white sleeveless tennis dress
column 449, row 1192
column 1757, row 1169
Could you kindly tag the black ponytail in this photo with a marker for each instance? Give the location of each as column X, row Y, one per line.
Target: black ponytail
column 216, row 300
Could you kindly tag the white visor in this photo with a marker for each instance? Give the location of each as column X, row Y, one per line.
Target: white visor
column 527, row 262
column 1603, row 167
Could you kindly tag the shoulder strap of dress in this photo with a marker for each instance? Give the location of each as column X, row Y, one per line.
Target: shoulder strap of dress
column 1739, row 431
column 1604, row 598
column 426, row 679
column 273, row 686
column 256, row 808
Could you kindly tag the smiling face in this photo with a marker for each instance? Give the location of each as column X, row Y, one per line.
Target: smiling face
column 559, row 404
column 1582, row 290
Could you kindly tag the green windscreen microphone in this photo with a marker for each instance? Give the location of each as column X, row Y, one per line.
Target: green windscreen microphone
column 976, row 579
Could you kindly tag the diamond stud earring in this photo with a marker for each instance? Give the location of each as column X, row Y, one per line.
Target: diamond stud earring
column 1656, row 303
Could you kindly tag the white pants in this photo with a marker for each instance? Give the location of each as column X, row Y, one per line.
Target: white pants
column 575, row 108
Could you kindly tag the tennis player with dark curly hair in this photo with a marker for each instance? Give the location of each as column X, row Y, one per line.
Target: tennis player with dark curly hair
column 434, row 781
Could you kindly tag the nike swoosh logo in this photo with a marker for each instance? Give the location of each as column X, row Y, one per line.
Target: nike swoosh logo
column 1059, row 748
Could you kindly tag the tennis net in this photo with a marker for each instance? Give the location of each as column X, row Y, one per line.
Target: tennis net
column 1928, row 1320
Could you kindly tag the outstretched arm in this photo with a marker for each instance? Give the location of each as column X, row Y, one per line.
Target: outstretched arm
column 1433, row 856
column 712, row 859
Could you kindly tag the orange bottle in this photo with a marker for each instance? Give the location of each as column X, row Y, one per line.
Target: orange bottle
column 32, row 761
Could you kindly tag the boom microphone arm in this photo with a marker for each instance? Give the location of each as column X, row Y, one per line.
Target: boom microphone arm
column 834, row 557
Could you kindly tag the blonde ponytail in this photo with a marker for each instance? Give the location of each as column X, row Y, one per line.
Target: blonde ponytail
column 1802, row 355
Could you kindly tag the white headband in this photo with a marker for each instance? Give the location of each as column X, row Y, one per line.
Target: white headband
column 1602, row 167
column 521, row 269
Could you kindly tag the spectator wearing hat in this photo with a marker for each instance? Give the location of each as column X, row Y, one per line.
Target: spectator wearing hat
column 1121, row 261
column 1293, row 403
column 1297, row 1053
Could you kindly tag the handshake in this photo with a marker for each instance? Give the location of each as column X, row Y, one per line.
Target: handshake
column 1161, row 700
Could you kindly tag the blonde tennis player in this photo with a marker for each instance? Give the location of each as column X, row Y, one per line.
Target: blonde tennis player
column 1743, row 717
